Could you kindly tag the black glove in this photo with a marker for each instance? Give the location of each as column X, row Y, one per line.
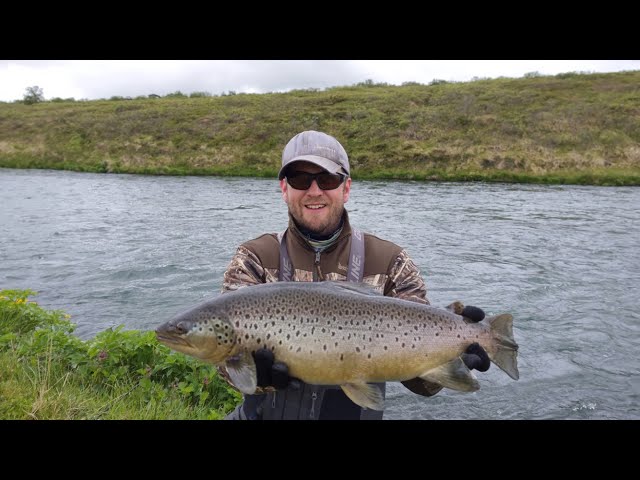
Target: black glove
column 474, row 314
column 475, row 357
column 270, row 373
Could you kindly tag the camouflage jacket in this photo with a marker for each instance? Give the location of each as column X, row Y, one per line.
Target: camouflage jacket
column 388, row 267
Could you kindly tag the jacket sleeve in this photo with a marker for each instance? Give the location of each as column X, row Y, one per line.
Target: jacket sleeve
column 405, row 281
column 244, row 269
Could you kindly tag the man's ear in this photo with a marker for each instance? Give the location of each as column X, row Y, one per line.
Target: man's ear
column 347, row 190
column 283, row 187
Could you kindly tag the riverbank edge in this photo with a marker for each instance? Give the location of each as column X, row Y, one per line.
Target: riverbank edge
column 593, row 177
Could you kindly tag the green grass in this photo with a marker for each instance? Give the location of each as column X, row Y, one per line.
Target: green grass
column 46, row 372
column 568, row 128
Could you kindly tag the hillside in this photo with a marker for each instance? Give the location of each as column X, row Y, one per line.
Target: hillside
column 568, row 128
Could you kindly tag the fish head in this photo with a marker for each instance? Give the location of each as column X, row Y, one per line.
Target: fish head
column 203, row 332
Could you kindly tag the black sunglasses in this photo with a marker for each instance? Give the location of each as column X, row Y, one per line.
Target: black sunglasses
column 325, row 180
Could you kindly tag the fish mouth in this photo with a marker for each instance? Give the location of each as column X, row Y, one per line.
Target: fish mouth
column 164, row 338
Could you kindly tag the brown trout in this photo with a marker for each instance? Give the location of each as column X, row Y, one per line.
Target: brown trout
column 338, row 333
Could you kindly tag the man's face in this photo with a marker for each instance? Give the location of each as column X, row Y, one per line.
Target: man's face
column 316, row 210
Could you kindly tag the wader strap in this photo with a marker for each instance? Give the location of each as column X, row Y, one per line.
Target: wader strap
column 355, row 272
column 286, row 269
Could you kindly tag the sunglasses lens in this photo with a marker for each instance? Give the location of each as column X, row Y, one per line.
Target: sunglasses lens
column 329, row 181
column 300, row 181
column 326, row 181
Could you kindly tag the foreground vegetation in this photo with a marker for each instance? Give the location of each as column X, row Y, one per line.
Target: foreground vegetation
column 46, row 372
column 568, row 128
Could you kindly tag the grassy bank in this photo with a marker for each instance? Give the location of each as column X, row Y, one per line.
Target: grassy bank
column 48, row 373
column 568, row 128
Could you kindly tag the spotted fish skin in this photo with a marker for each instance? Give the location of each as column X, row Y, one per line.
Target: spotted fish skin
column 336, row 333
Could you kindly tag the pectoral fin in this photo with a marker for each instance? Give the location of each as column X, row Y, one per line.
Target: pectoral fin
column 422, row 387
column 242, row 371
column 364, row 394
column 454, row 375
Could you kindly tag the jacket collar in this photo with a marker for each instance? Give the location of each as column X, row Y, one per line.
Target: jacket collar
column 302, row 240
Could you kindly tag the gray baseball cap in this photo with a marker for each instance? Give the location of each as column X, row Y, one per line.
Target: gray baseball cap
column 318, row 148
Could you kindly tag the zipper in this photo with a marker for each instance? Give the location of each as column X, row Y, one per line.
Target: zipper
column 312, row 412
column 316, row 272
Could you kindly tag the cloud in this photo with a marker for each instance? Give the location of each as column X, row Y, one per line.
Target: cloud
column 93, row 79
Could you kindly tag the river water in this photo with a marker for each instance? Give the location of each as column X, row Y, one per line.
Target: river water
column 564, row 260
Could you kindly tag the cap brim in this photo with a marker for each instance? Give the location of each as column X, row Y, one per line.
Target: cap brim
column 328, row 165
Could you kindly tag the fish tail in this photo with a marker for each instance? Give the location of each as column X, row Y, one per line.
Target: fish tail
column 505, row 355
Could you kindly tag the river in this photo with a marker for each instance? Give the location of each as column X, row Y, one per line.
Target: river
column 564, row 260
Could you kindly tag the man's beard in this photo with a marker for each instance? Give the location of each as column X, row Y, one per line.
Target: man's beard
column 325, row 229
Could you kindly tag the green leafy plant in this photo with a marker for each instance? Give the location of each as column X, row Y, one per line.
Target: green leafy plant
column 38, row 348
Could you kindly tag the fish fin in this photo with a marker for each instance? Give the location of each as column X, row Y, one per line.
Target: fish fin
column 505, row 355
column 366, row 395
column 422, row 387
column 454, row 375
column 356, row 287
column 242, row 371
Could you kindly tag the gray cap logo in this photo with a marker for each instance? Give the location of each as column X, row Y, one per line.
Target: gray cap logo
column 317, row 148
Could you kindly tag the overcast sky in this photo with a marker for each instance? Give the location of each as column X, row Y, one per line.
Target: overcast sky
column 93, row 79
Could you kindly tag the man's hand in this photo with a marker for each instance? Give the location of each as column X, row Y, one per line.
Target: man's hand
column 271, row 376
column 270, row 373
column 474, row 314
column 476, row 357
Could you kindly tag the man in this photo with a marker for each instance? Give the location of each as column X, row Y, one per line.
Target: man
column 320, row 244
